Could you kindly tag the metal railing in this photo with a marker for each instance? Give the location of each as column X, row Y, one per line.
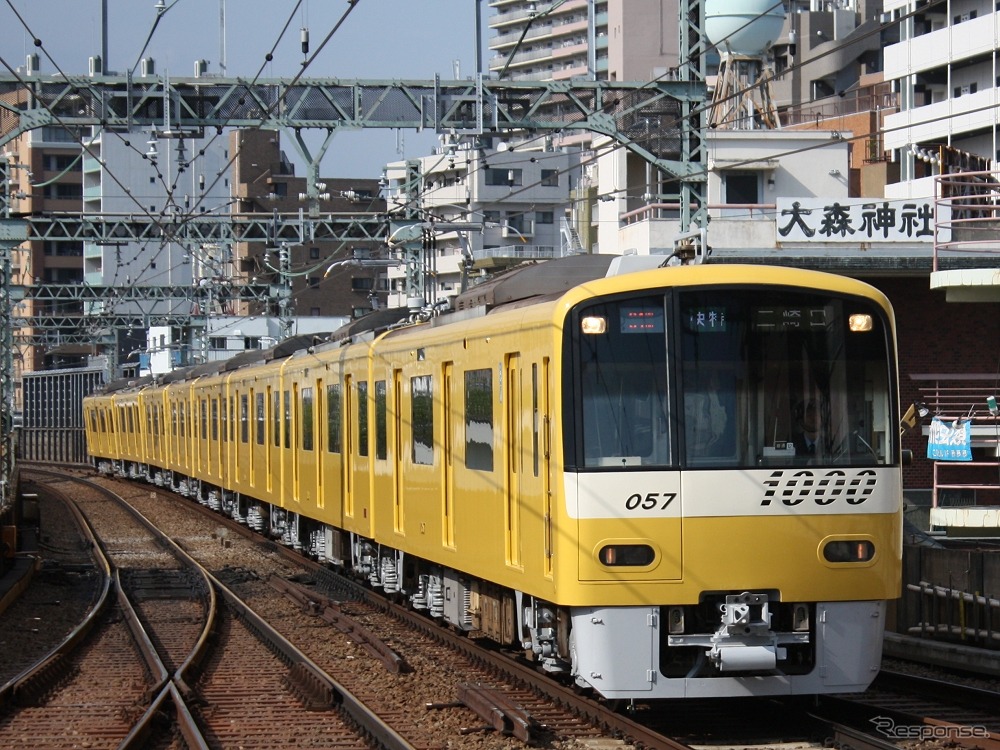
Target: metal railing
column 55, row 445
column 951, row 614
column 967, row 214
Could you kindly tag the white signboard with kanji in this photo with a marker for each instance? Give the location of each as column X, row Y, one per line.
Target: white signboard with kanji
column 854, row 220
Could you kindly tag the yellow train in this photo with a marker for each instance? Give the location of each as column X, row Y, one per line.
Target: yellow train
column 661, row 483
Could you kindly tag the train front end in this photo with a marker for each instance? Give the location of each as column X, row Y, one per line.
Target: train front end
column 732, row 472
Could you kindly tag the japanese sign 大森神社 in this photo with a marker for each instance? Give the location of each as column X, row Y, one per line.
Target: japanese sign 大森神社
column 854, row 220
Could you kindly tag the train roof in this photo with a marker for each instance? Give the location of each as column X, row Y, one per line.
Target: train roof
column 534, row 280
column 282, row 350
column 370, row 324
column 123, row 384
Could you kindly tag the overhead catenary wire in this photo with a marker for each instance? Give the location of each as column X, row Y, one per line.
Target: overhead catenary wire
column 171, row 201
column 527, row 187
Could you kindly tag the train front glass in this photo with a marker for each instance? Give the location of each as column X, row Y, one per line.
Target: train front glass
column 730, row 378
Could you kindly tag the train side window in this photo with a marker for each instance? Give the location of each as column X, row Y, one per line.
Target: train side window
column 224, row 418
column 362, row 418
column 288, row 418
column 307, row 419
column 244, row 418
column 261, row 408
column 479, row 419
column 276, row 418
column 204, row 419
column 422, row 418
column 215, row 419
column 333, row 418
column 381, row 421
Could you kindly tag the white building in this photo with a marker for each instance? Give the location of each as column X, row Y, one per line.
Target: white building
column 514, row 202
column 945, row 66
column 136, row 173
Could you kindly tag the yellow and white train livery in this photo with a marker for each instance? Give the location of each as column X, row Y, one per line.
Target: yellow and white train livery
column 662, row 483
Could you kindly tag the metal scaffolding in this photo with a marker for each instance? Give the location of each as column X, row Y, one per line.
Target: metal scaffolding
column 478, row 107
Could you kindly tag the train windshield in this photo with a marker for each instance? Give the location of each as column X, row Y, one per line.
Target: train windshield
column 716, row 377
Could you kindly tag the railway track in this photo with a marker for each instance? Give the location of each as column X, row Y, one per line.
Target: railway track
column 235, row 681
column 481, row 689
column 907, row 708
column 434, row 686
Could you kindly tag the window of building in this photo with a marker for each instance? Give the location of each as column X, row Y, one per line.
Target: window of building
column 62, row 249
column 742, row 187
column 362, row 283
column 545, row 217
column 314, row 253
column 217, row 342
column 550, row 178
column 63, row 191
column 503, row 177
column 63, row 162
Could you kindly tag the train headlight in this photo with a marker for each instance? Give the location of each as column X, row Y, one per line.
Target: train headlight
column 617, row 555
column 860, row 322
column 848, row 551
column 593, row 325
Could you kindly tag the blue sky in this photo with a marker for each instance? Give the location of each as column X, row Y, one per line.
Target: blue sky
column 380, row 39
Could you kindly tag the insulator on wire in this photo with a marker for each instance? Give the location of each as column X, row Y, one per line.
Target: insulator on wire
column 304, row 36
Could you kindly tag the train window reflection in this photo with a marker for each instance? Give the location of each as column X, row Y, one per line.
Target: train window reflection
column 623, row 375
column 777, row 377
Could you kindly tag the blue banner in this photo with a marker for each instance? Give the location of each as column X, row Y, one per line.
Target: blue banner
column 950, row 441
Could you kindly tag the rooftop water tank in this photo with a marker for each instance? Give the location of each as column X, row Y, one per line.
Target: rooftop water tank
column 743, row 27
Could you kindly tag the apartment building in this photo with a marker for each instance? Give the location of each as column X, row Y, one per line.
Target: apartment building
column 315, row 280
column 945, row 67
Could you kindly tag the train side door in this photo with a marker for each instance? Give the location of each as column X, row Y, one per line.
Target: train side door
column 513, row 459
column 319, row 422
column 349, row 449
column 450, row 422
column 541, row 454
column 399, row 465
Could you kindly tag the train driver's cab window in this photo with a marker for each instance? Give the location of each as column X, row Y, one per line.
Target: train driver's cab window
column 623, row 384
column 778, row 377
